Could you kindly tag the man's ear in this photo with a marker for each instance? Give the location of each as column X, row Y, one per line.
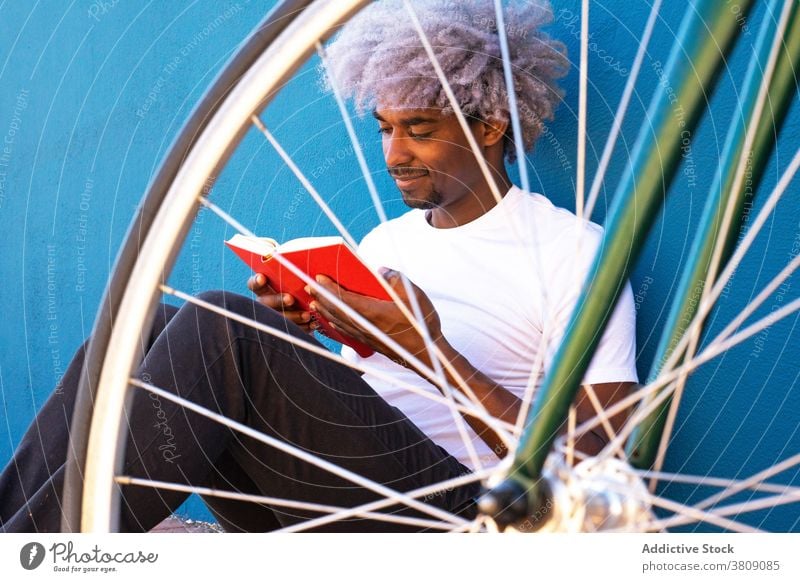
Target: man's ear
column 493, row 131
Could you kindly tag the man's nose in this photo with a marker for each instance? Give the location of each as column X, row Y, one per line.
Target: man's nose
column 396, row 151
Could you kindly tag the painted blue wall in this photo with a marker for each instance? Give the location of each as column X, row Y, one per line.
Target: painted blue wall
column 91, row 93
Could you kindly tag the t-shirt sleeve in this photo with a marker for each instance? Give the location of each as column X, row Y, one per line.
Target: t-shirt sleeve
column 615, row 357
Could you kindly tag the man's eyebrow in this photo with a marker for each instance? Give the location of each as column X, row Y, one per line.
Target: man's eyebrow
column 408, row 122
column 418, row 120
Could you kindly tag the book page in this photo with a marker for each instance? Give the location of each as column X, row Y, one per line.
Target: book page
column 257, row 245
column 309, row 242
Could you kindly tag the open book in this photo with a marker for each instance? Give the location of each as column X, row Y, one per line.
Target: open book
column 327, row 255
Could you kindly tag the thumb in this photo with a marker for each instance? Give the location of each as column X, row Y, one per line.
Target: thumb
column 394, row 279
column 389, row 274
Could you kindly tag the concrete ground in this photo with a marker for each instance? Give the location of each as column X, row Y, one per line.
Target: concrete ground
column 177, row 524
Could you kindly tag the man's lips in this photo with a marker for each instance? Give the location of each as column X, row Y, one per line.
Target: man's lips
column 406, row 178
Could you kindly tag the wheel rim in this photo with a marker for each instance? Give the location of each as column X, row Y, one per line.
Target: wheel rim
column 100, row 501
column 177, row 215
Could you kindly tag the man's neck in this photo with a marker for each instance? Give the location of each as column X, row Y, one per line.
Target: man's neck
column 470, row 208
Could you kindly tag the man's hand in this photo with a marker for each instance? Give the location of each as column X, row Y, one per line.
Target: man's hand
column 282, row 302
column 384, row 315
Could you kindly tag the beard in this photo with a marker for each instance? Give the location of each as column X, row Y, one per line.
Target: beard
column 413, row 200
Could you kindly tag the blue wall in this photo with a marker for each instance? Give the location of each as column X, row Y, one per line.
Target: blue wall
column 93, row 92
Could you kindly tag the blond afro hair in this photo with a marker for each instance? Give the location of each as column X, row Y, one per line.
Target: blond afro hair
column 378, row 60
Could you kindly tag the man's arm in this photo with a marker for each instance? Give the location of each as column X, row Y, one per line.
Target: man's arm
column 505, row 406
column 608, row 394
column 498, row 401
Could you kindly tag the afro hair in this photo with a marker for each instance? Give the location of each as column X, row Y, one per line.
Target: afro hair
column 378, row 60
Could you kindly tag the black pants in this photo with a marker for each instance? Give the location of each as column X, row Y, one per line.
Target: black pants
column 254, row 378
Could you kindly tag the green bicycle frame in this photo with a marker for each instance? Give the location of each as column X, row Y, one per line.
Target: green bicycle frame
column 706, row 36
column 644, row 441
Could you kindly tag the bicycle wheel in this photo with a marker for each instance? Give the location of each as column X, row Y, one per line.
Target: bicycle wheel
column 199, row 156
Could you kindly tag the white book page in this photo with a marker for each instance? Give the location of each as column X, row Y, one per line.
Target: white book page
column 258, row 245
column 267, row 246
column 309, row 242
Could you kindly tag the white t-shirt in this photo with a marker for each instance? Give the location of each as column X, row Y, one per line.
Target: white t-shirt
column 498, row 283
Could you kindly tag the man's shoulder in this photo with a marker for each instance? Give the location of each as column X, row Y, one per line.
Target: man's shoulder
column 556, row 225
column 407, row 221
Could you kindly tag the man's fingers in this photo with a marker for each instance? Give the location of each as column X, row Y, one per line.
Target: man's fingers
column 257, row 282
column 328, row 283
column 354, row 300
column 343, row 325
column 283, row 302
column 279, row 301
column 259, row 285
column 301, row 318
column 330, row 313
column 270, row 300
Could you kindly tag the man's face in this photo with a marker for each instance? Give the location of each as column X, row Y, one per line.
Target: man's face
column 428, row 156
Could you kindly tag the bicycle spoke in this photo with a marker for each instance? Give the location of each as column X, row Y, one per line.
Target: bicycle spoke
column 583, row 72
column 688, row 511
column 622, row 108
column 477, row 524
column 711, row 353
column 440, row 381
column 560, row 445
column 603, row 417
column 416, row 311
column 743, row 315
column 707, row 481
column 618, row 442
column 341, row 472
column 491, row 525
column 756, row 303
column 466, row 407
column 747, row 332
column 745, row 507
column 702, row 358
column 482, row 165
column 736, row 258
column 382, row 503
column 373, row 191
column 238, row 226
column 277, row 502
column 453, row 101
column 618, row 407
column 438, row 358
column 601, row 413
column 570, row 444
column 513, row 108
column 287, row 159
column 511, row 92
column 727, row 221
column 751, row 481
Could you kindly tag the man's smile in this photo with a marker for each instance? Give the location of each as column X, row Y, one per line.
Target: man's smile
column 405, row 177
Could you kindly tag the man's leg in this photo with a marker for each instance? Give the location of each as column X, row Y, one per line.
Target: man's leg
column 36, row 469
column 285, row 392
column 266, row 383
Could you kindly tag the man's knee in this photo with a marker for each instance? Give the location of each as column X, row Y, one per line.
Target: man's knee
column 228, row 301
column 239, row 305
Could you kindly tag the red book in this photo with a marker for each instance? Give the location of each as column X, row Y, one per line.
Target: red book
column 328, row 255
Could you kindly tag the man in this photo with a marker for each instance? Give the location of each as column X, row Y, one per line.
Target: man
column 493, row 281
column 441, row 250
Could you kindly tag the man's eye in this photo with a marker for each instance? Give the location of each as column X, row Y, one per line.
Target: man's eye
column 424, row 135
column 384, row 130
